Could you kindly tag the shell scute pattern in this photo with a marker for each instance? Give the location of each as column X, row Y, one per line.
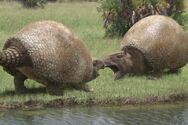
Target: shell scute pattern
column 57, row 55
column 162, row 41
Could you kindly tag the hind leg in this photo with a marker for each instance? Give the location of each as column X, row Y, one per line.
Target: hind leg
column 53, row 89
column 19, row 79
column 174, row 71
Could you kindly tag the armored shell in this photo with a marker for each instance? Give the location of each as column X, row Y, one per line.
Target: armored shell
column 162, row 41
column 54, row 54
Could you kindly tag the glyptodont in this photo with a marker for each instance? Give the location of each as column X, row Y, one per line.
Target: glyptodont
column 154, row 44
column 51, row 54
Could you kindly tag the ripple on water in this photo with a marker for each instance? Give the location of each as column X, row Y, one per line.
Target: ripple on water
column 142, row 115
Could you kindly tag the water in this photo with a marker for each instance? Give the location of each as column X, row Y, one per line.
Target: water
column 143, row 115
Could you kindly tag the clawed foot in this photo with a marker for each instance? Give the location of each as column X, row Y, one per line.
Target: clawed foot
column 153, row 78
column 21, row 90
column 156, row 75
column 83, row 87
column 174, row 71
column 60, row 93
column 54, row 91
column 88, row 89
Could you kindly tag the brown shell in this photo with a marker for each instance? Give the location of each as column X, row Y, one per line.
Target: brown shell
column 162, row 41
column 56, row 54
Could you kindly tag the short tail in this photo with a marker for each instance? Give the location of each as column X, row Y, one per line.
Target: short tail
column 11, row 57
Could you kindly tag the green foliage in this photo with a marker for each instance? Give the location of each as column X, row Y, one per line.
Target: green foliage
column 120, row 15
column 76, row 0
column 86, row 24
column 33, row 3
column 115, row 22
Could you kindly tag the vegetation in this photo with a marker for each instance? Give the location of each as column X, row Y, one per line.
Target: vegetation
column 86, row 23
column 42, row 3
column 33, row 3
column 120, row 15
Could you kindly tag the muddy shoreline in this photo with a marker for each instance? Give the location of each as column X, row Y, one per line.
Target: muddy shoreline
column 60, row 103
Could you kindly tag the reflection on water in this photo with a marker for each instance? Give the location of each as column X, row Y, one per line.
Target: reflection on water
column 142, row 115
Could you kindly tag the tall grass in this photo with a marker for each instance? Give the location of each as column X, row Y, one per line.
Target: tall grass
column 84, row 20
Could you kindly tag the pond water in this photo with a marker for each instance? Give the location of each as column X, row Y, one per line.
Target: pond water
column 176, row 114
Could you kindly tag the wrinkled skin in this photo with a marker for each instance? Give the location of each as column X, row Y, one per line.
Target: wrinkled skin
column 98, row 64
column 132, row 63
column 122, row 63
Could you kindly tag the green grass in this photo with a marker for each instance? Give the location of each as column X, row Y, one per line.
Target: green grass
column 86, row 22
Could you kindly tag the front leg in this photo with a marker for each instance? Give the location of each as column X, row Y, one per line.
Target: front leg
column 155, row 75
column 83, row 87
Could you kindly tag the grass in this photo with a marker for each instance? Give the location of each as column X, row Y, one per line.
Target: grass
column 86, row 22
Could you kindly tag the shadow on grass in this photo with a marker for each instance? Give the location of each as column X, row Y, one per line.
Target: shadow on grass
column 29, row 91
